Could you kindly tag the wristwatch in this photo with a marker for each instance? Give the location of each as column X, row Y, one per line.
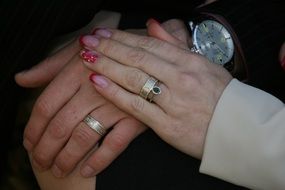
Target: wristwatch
column 214, row 38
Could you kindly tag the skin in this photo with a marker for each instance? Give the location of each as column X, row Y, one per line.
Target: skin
column 52, row 68
column 191, row 85
column 55, row 132
column 182, row 112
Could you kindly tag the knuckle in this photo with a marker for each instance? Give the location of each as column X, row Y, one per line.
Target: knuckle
column 137, row 104
column 57, row 128
column 114, row 91
column 64, row 162
column 82, row 136
column 43, row 107
column 116, row 142
column 104, row 68
column 133, row 78
column 99, row 162
column 107, row 47
column 136, row 56
column 30, row 135
column 42, row 159
column 120, row 36
column 148, row 43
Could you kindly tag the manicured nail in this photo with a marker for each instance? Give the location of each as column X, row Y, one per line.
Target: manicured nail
column 89, row 55
column 28, row 145
column 98, row 80
column 103, row 32
column 87, row 171
column 152, row 20
column 95, row 29
column 81, row 41
column 89, row 41
column 56, row 171
column 283, row 63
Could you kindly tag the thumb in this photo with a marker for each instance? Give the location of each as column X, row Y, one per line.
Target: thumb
column 47, row 69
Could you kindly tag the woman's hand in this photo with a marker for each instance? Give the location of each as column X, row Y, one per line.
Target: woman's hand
column 67, row 100
column 190, row 85
column 55, row 134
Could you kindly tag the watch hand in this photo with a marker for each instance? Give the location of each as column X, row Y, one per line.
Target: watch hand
column 218, row 47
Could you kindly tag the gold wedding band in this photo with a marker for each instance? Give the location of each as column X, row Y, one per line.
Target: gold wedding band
column 150, row 89
column 95, row 125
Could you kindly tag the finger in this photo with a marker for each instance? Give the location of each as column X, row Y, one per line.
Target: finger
column 113, row 145
column 134, row 57
column 131, row 103
column 46, row 70
column 46, row 106
column 83, row 138
column 155, row 46
column 178, row 30
column 130, row 78
column 156, row 30
column 61, row 125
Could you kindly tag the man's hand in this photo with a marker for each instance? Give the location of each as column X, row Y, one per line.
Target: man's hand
column 55, row 133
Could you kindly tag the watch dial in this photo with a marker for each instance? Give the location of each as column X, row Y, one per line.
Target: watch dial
column 213, row 41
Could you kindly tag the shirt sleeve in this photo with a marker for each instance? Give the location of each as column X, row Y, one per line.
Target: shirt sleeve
column 245, row 142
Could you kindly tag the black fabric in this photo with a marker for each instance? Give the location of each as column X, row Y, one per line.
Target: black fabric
column 149, row 163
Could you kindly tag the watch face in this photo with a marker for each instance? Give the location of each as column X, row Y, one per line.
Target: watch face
column 212, row 40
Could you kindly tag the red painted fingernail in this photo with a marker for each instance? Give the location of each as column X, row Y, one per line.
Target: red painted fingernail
column 103, row 32
column 152, row 20
column 92, row 77
column 81, row 41
column 98, row 80
column 283, row 63
column 88, row 55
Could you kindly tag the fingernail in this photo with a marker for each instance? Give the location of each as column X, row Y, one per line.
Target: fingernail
column 103, row 32
column 152, row 20
column 81, row 41
column 56, row 171
column 95, row 29
column 89, row 41
column 89, row 55
column 283, row 63
column 87, row 171
column 99, row 80
column 28, row 145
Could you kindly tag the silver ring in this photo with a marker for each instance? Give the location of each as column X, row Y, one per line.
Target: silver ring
column 150, row 89
column 95, row 125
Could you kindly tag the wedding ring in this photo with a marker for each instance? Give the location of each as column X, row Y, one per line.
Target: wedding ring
column 154, row 91
column 95, row 125
column 150, row 89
